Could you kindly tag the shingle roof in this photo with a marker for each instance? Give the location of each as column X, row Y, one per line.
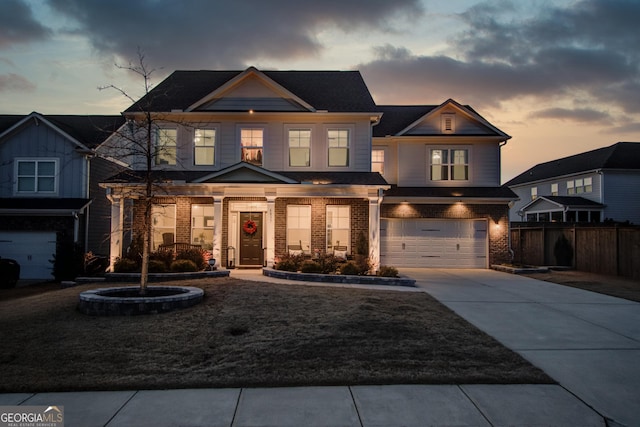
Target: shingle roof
column 572, row 201
column 452, row 192
column 397, row 117
column 89, row 130
column 39, row 203
column 342, row 91
column 622, row 155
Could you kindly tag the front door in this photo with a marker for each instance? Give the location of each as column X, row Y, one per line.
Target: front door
column 251, row 252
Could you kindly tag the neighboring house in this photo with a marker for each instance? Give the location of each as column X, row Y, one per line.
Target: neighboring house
column 595, row 186
column 49, row 193
column 258, row 164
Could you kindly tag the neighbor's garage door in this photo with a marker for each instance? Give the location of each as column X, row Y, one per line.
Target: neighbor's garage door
column 433, row 243
column 32, row 250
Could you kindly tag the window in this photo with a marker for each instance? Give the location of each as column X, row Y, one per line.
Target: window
column 377, row 161
column 450, row 164
column 338, row 147
column 448, row 123
column 251, row 143
column 165, row 146
column 163, row 222
column 204, row 144
column 534, row 193
column 299, row 147
column 36, row 176
column 298, row 228
column 579, row 186
column 202, row 226
column 554, row 189
column 338, row 226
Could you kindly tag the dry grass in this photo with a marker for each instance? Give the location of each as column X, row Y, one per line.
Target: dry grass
column 249, row 334
column 608, row 285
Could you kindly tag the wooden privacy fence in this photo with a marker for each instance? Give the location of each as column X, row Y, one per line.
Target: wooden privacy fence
column 602, row 249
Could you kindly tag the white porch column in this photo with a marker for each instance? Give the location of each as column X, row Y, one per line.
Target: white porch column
column 374, row 232
column 117, row 221
column 216, row 252
column 271, row 230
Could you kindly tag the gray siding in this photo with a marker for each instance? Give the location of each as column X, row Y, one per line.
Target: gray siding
column 622, row 196
column 39, row 141
column 256, row 104
column 100, row 208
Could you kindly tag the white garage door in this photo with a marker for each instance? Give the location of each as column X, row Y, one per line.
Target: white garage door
column 32, row 250
column 433, row 243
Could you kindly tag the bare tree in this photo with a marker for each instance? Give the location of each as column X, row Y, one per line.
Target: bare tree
column 136, row 142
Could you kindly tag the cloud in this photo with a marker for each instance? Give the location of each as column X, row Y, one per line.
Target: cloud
column 223, row 34
column 14, row 82
column 583, row 115
column 588, row 47
column 18, row 25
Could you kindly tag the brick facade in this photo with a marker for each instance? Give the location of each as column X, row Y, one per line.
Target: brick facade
column 497, row 215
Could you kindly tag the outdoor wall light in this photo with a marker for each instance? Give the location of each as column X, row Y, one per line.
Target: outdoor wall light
column 212, row 264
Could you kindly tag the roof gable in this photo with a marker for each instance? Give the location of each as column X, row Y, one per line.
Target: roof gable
column 622, row 155
column 244, row 173
column 251, row 90
column 425, row 120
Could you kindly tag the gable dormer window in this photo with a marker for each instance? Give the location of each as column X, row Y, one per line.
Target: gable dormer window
column 448, row 123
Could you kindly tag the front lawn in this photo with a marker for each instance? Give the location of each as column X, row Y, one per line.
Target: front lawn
column 248, row 334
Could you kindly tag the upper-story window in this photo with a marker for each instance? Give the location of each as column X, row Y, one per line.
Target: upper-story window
column 204, row 146
column 448, row 123
column 554, row 189
column 579, row 186
column 449, row 164
column 36, row 175
column 534, row 193
column 338, row 142
column 251, row 143
column 299, row 147
column 165, row 146
column 377, row 161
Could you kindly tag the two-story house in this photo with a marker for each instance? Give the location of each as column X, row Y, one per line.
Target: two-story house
column 594, row 186
column 257, row 164
column 49, row 193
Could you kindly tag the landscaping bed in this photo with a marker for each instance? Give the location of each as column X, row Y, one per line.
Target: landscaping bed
column 249, row 334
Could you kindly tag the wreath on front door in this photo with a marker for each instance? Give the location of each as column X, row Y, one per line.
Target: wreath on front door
column 250, row 226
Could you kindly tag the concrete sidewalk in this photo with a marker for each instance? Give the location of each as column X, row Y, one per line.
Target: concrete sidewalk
column 358, row 406
column 588, row 342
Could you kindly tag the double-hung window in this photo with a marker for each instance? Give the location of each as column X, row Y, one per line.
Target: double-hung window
column 580, row 185
column 338, row 227
column 298, row 229
column 202, row 226
column 338, row 142
column 204, row 145
column 36, row 175
column 377, row 161
column 299, row 147
column 163, row 221
column 449, row 164
column 554, row 189
column 165, row 146
column 251, row 144
column 534, row 193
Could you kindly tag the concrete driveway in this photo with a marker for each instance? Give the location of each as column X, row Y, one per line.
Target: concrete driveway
column 588, row 342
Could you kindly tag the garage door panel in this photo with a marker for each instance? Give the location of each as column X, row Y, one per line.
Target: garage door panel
column 434, row 243
column 32, row 250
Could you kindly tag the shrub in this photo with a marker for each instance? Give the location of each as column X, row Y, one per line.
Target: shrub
column 194, row 255
column 125, row 265
column 350, row 269
column 330, row 263
column 68, row 262
column 386, row 271
column 311, row 267
column 363, row 264
column 362, row 244
column 165, row 257
column 183, row 265
column 157, row 266
column 289, row 262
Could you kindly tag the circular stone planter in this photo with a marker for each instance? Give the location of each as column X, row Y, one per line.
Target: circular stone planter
column 127, row 301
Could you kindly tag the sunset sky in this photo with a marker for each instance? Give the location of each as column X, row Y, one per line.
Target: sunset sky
column 559, row 76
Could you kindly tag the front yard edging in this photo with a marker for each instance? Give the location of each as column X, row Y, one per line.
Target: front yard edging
column 339, row 278
column 164, row 277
